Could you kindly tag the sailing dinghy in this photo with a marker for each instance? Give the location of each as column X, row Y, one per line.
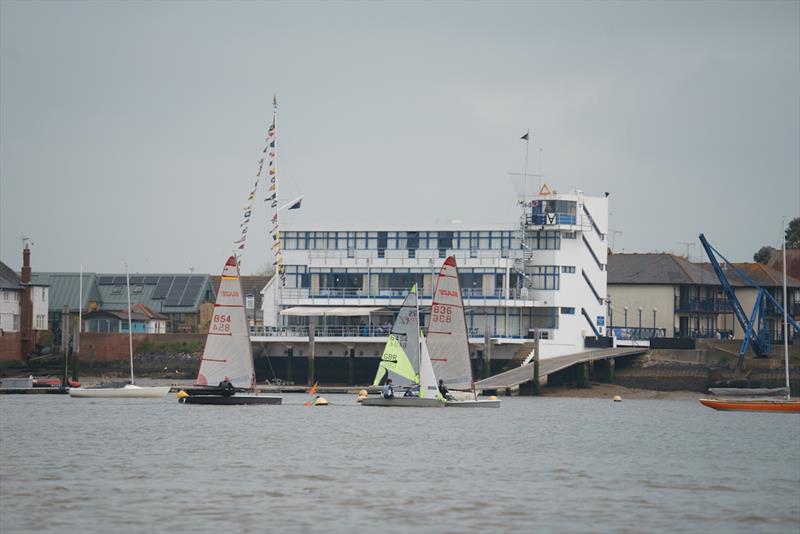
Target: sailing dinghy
column 407, row 362
column 130, row 390
column 448, row 342
column 227, row 354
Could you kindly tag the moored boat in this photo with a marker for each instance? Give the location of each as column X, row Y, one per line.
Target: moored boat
column 753, row 405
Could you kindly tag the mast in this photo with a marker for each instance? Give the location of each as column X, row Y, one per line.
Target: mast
column 785, row 316
column 130, row 330
column 80, row 315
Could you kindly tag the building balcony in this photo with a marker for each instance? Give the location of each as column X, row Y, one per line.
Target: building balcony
column 395, row 297
column 702, row 305
column 360, row 333
column 425, row 258
column 540, row 219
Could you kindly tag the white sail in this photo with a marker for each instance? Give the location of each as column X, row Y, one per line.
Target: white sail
column 428, row 387
column 227, row 353
column 447, row 330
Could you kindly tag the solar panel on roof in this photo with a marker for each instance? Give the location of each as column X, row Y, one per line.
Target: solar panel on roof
column 137, row 279
column 176, row 291
column 105, row 280
column 119, row 280
column 187, row 299
column 150, row 280
column 162, row 288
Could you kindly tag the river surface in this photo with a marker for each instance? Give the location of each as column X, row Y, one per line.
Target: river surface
column 543, row 464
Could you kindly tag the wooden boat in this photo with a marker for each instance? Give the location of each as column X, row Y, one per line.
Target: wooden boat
column 227, row 355
column 753, row 405
column 734, row 398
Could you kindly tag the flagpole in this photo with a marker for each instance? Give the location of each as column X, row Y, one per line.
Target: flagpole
column 274, row 161
column 785, row 316
column 525, row 169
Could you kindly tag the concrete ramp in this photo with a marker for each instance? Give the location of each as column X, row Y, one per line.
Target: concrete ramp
column 522, row 374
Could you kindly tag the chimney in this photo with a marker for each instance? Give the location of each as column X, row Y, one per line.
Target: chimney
column 26, row 265
column 26, row 326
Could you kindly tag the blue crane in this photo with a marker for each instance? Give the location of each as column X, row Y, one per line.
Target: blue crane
column 755, row 329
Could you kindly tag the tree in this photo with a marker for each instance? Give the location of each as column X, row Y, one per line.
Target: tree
column 266, row 270
column 793, row 233
column 763, row 255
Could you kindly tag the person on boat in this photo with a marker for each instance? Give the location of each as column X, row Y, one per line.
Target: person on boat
column 443, row 391
column 412, row 391
column 226, row 387
column 388, row 390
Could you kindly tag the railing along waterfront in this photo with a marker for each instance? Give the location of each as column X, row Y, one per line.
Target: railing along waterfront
column 636, row 333
column 363, row 331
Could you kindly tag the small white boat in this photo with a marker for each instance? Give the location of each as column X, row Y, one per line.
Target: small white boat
column 128, row 391
column 131, row 390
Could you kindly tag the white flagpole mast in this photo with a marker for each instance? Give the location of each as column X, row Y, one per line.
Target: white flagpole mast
column 80, row 313
column 527, row 138
column 130, row 329
column 785, row 315
column 277, row 253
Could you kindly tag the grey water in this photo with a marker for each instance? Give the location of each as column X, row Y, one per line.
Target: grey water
column 544, row 464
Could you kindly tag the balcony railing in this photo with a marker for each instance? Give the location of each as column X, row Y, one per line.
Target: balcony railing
column 397, row 293
column 542, row 218
column 702, row 305
column 702, row 333
column 362, row 331
column 634, row 333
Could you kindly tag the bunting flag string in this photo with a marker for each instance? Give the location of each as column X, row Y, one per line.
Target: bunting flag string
column 272, row 192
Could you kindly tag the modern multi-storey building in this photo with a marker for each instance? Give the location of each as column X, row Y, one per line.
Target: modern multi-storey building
column 546, row 273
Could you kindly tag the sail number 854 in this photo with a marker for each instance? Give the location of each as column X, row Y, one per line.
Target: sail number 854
column 221, row 323
column 441, row 313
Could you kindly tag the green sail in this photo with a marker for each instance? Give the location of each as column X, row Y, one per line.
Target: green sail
column 394, row 359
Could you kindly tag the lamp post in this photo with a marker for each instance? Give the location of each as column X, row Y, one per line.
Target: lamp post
column 626, row 317
column 654, row 320
column 640, row 318
column 611, row 316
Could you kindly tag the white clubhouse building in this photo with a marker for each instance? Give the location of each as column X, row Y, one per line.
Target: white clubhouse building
column 546, row 272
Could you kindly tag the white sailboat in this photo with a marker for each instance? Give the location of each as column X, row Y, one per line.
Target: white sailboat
column 406, row 361
column 228, row 355
column 448, row 341
column 130, row 390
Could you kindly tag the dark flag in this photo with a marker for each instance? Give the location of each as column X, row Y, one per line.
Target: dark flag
column 525, row 137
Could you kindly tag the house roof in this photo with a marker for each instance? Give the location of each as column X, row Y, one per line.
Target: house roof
column 8, row 278
column 668, row 269
column 65, row 287
column 121, row 315
column 165, row 293
column 147, row 312
column 792, row 262
column 251, row 285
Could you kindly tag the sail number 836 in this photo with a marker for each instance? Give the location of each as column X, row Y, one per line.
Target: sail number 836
column 221, row 324
column 441, row 313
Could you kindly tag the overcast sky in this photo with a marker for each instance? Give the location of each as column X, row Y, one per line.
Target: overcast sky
column 133, row 129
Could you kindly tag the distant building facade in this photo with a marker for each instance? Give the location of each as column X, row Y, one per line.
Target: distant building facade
column 666, row 295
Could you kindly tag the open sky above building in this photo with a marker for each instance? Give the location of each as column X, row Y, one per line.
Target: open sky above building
column 133, row 130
